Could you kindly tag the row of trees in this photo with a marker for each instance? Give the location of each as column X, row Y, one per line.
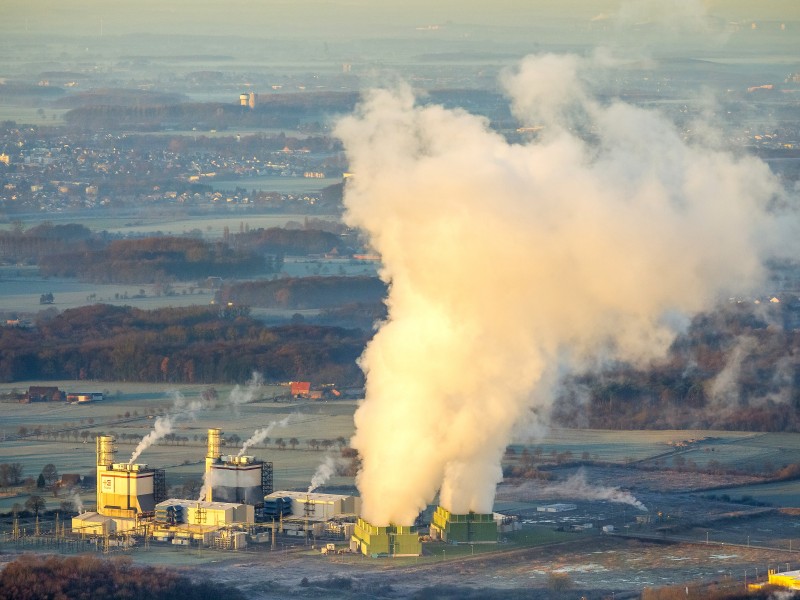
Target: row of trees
column 182, row 345
column 150, row 260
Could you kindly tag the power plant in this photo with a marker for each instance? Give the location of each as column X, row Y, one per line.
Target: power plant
column 235, row 478
column 237, row 504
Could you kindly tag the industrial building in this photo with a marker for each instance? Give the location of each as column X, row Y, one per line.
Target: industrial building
column 237, row 479
column 556, row 508
column 787, row 579
column 314, row 506
column 392, row 540
column 470, row 528
column 126, row 493
column 126, row 490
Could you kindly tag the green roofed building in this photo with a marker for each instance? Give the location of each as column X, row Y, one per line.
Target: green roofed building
column 393, row 540
column 472, row 528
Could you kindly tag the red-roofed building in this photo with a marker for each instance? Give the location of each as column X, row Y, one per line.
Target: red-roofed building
column 300, row 389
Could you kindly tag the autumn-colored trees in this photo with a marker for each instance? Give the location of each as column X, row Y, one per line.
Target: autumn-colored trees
column 191, row 345
column 32, row 577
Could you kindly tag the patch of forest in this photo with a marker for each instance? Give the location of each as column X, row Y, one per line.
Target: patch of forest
column 291, row 242
column 153, row 259
column 34, row 577
column 72, row 250
column 184, row 345
column 304, row 292
column 737, row 368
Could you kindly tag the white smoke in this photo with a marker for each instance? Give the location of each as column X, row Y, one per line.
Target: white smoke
column 578, row 488
column 239, row 395
column 324, row 471
column 725, row 388
column 164, row 425
column 75, row 498
column 510, row 264
column 261, row 434
column 208, row 481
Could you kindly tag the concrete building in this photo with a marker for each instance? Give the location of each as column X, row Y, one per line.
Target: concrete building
column 197, row 512
column 556, row 508
column 318, row 507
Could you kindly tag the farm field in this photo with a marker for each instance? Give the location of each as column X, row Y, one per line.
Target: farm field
column 670, row 526
column 130, row 411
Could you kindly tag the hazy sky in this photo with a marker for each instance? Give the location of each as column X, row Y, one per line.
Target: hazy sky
column 353, row 17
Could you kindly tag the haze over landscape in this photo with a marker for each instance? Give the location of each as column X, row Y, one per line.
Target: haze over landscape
column 522, row 278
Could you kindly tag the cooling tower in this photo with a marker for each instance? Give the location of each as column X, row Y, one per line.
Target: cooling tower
column 471, row 528
column 392, row 540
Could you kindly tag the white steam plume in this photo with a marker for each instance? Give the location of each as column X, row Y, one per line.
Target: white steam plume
column 725, row 389
column 239, row 395
column 163, row 425
column 509, row 264
column 325, row 471
column 261, row 434
column 75, row 498
column 578, row 488
column 208, row 481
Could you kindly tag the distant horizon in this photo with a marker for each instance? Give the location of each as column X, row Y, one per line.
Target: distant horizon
column 339, row 18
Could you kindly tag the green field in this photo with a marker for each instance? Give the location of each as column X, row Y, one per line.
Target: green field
column 30, row 115
column 130, row 410
column 183, row 461
column 618, row 446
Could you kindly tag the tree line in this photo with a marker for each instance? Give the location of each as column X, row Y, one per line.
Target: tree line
column 182, row 345
column 151, row 260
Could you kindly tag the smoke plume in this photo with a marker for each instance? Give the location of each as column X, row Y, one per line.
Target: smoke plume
column 75, row 498
column 510, row 264
column 261, row 434
column 208, row 481
column 325, row 471
column 239, row 395
column 578, row 488
column 163, row 425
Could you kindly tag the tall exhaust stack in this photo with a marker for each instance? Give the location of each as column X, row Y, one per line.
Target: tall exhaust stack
column 212, row 458
column 105, row 458
column 214, row 442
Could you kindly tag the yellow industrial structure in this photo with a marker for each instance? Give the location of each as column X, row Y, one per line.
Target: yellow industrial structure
column 391, row 540
column 788, row 579
column 126, row 493
column 470, row 528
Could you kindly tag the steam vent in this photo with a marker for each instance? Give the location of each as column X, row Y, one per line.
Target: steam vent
column 238, row 479
column 393, row 540
column 472, row 528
